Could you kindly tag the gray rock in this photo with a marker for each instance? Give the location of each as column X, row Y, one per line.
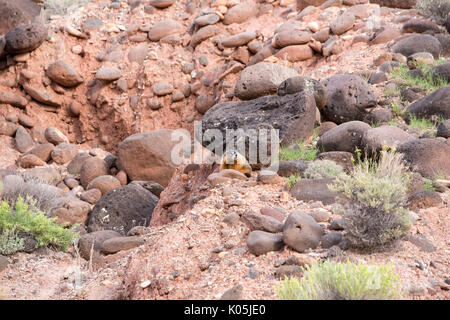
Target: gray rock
column 345, row 137
column 435, row 104
column 443, row 130
column 314, row 189
column 331, row 239
column 234, row 293
column 343, row 23
column 261, row 79
column 108, row 74
column 162, row 88
column 24, row 142
column 257, row 221
column 25, row 38
column 429, row 157
column 94, row 241
column 117, row 244
column 375, row 139
column 418, row 43
column 300, row 84
column 261, row 242
column 348, row 98
column 301, row 232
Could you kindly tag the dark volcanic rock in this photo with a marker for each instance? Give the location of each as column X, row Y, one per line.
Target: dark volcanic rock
column 429, row 157
column 348, row 98
column 435, row 104
column 122, row 209
column 293, row 115
column 418, row 43
column 25, row 38
column 314, row 189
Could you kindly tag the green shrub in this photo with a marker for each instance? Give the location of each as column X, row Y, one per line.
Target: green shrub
column 436, row 9
column 10, row 242
column 299, row 152
column 26, row 217
column 426, row 82
column 322, row 169
column 292, row 180
column 421, row 124
column 374, row 195
column 342, row 281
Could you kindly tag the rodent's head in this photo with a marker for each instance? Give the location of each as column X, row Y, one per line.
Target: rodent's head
column 230, row 156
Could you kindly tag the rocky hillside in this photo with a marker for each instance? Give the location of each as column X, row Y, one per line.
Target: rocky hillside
column 89, row 99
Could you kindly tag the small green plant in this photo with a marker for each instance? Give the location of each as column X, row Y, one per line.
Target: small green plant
column 26, row 217
column 63, row 6
column 436, row 9
column 342, row 281
column 426, row 82
column 429, row 185
column 393, row 123
column 421, row 124
column 10, row 242
column 292, row 180
column 396, row 109
column 392, row 92
column 322, row 169
column 374, row 196
column 298, row 152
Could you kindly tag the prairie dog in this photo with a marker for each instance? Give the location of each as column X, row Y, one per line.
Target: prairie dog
column 231, row 159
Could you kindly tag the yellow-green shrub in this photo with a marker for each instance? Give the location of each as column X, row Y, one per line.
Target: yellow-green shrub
column 342, row 281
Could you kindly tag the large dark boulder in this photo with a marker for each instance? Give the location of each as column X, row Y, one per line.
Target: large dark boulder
column 122, row 209
column 349, row 97
column 418, row 43
column 435, row 104
column 17, row 12
column 429, row 157
column 293, row 115
column 25, row 38
column 300, row 84
column 442, row 72
column 345, row 137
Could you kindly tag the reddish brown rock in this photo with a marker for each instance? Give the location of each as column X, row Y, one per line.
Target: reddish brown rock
column 63, row 74
column 104, row 183
column 92, row 168
column 241, row 12
column 295, row 53
column 147, row 156
column 30, row 161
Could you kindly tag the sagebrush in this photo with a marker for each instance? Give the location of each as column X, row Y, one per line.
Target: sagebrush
column 62, row 6
column 436, row 9
column 46, row 196
column 26, row 217
column 342, row 281
column 375, row 195
column 322, row 169
column 10, row 242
